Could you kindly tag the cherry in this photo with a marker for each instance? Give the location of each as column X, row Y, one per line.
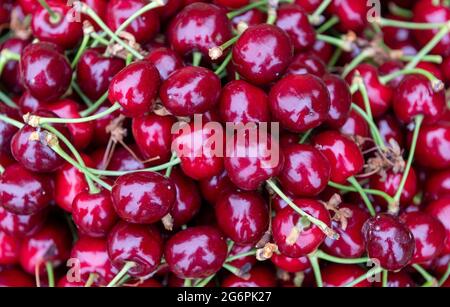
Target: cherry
column 242, row 216
column 242, row 263
column 15, row 278
column 440, row 264
column 7, row 131
column 351, row 241
column 388, row 241
column 251, row 18
column 415, row 96
column 21, row 225
column 92, row 257
column 398, row 280
column 94, row 214
column 29, row 104
column 299, row 102
column 306, row 171
column 31, row 6
column 380, row 95
column 139, row 244
column 389, row 67
column 196, row 252
column 399, row 38
column 295, row 236
column 212, row 187
column 432, row 68
column 440, row 209
column 135, row 88
column 153, row 136
column 291, row 265
column 165, row 60
column 169, row 9
column 10, row 249
column 10, row 75
column 390, row 130
column 307, row 62
column 338, row 275
column 340, row 100
column 95, row 72
column 323, row 50
column 241, row 102
column 437, row 185
column 262, row 53
column 99, row 7
column 22, row 191
column 294, row 21
column 232, row 4
column 445, row 66
column 345, row 157
column 308, row 5
column 190, row 90
column 149, row 283
column 121, row 160
column 433, row 146
column 68, row 282
column 429, row 235
column 352, row 14
column 5, row 11
column 259, row 276
column 101, row 131
column 143, row 28
column 46, row 73
column 198, row 27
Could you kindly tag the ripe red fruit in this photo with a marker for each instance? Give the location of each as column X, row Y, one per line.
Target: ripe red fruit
column 440, row 209
column 338, row 275
column 21, row 225
column 165, row 60
column 259, row 276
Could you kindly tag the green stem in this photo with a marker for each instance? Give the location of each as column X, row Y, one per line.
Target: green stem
column 99, row 39
column 322, row 255
column 242, row 255
column 385, row 278
column 128, row 265
column 11, row 121
column 95, row 105
column 445, row 276
column 366, row 53
column 328, row 25
column 363, row 194
column 335, row 57
column 432, row 58
column 346, row 188
column 84, row 44
column 90, row 280
column 427, row 276
column 46, row 120
column 384, row 22
column 50, row 274
column 385, row 79
column 80, row 93
column 316, row 269
column 334, row 41
column 232, row 269
column 399, row 11
column 196, row 58
column 305, row 136
column 150, row 6
column 54, row 17
column 6, row 56
column 246, row 8
column 187, row 283
column 224, row 64
column 171, row 165
column 120, row 173
column 370, row 273
column 205, row 281
column 8, row 101
column 318, row 12
column 2, row 169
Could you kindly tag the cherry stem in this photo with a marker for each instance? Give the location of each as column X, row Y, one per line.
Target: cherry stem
column 127, row 266
column 384, row 22
column 90, row 281
column 187, row 283
column 8, row 101
column 196, row 58
column 171, row 165
column 251, row 6
column 123, row 280
column 83, row 46
column 54, row 17
column 50, row 274
column 367, row 275
column 384, row 278
column 224, row 64
column 314, row 17
column 305, row 136
column 427, row 276
column 399, row 11
column 436, row 83
column 80, row 93
column 72, row 227
column 328, row 24
column 95, row 105
column 232, row 269
column 432, row 58
column 322, row 255
column 322, row 226
column 2, row 169
column 345, row 188
column 363, row 194
column 377, row 138
column 5, row 56
column 418, row 122
column 338, row 42
column 120, row 173
column 316, row 269
column 366, row 53
column 202, row 283
column 241, row 255
column 98, row 39
column 445, row 276
column 334, row 58
column 11, row 121
column 271, row 11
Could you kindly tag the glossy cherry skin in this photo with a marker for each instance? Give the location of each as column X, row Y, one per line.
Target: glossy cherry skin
column 165, row 60
column 92, row 256
column 351, row 241
column 389, row 67
column 294, row 21
column 190, row 90
column 46, row 73
column 399, row 279
column 293, row 240
column 445, row 66
column 232, row 4
column 437, row 185
column 354, row 126
column 94, row 214
column 415, row 96
column 259, row 276
column 308, row 5
column 440, row 209
column 29, row 104
column 196, row 252
column 429, row 235
column 306, row 171
column 22, row 191
column 380, row 95
column 10, row 249
column 143, row 28
column 251, row 162
column 291, row 265
column 95, row 72
column 338, row 275
column 390, row 130
column 399, row 38
column 433, row 146
column 323, row 50
column 306, row 62
column 242, row 263
column 345, row 157
column 212, row 187
column 251, row 18
column 140, row 244
column 340, row 100
column 10, row 76
column 199, row 27
column 21, row 225
column 15, row 278
column 101, row 134
column 52, row 243
column 388, row 241
column 66, row 32
column 262, row 53
column 7, row 131
column 242, row 216
column 99, row 7
column 352, row 14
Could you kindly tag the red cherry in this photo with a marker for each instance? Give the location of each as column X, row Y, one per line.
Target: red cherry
column 352, row 14
column 389, row 242
column 165, row 60
column 9, row 249
column 64, row 282
column 432, row 68
column 31, row 6
column 399, row 38
column 251, row 18
column 185, row 252
column 293, row 237
column 15, row 278
column 437, row 185
column 262, row 53
column 242, row 263
column 121, row 160
column 7, row 131
column 355, row 125
column 398, row 280
column 5, row 11
column 212, row 187
column 340, row 100
column 10, row 75
column 445, row 66
column 440, row 209
column 21, row 225
column 291, row 265
column 28, row 104
column 190, row 90
column 99, row 7
column 259, row 276
column 308, row 5
column 232, row 4
column 338, row 275
column 46, row 73
column 323, row 50
column 306, row 62
column 101, row 131
column 390, row 130
column 140, row 244
column 433, row 146
column 389, row 67
column 169, row 9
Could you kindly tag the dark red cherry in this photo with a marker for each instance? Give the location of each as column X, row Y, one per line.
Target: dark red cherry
column 308, row 5
column 437, row 185
column 389, row 67
column 46, row 73
column 94, row 214
column 170, row 8
column 445, row 66
column 338, row 275
column 389, row 242
column 15, row 278
column 165, row 60
column 251, row 160
column 242, row 263
column 299, row 102
column 399, row 38
column 390, row 130
column 432, row 68
column 241, row 102
column 294, row 21
column 429, row 235
column 352, row 14
column 251, row 18
column 212, row 187
column 29, row 104
column 323, row 50
column 340, row 100
column 351, row 241
column 242, row 216
column 296, row 236
column 415, row 96
column 259, row 276
column 399, row 279
column 69, row 282
column 355, row 126
column 440, row 209
column 199, row 27
column 10, row 75
column 345, row 157
column 5, row 11
column 433, row 146
column 262, row 53
column 190, row 90
column 143, row 28
column 99, row 7
column 31, row 6
column 140, row 244
column 153, row 136
column 135, row 88
column 143, row 197
column 21, row 225
column 9, row 249
column 440, row 264
column 380, row 95
column 121, row 160
column 22, row 191
column 232, row 4
column 306, row 62
column 101, row 131
column 291, row 265
column 95, row 72
column 196, row 252
column 65, row 31
column 7, row 131
column 306, row 171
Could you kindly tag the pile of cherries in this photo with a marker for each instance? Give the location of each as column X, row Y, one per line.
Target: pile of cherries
column 97, row 188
